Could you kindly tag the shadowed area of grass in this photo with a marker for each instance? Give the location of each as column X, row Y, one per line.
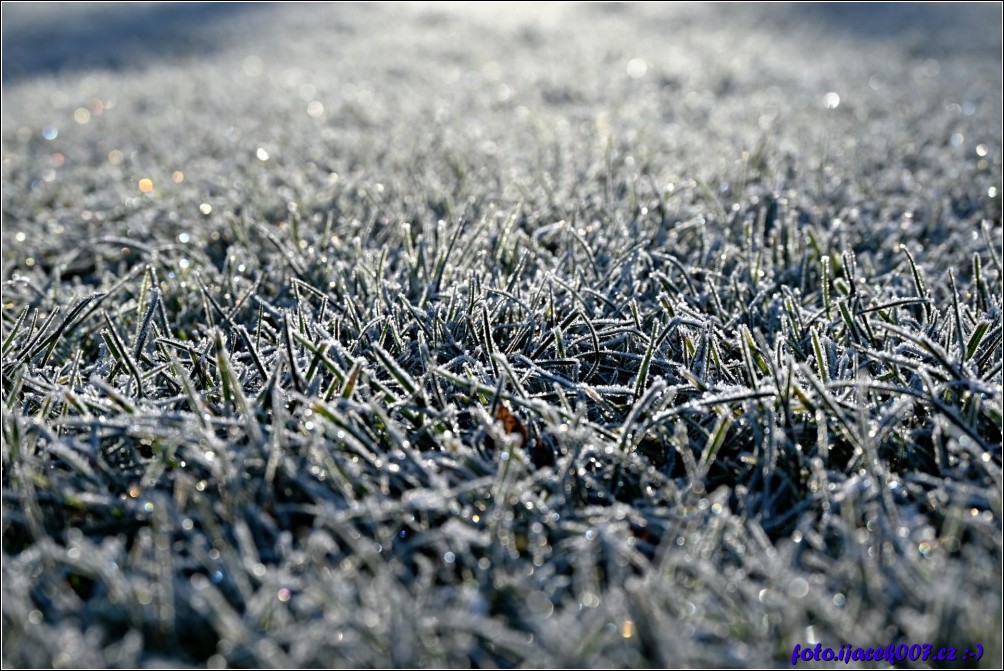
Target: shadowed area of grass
column 566, row 335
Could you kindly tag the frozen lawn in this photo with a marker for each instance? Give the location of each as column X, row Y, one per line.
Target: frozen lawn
column 421, row 335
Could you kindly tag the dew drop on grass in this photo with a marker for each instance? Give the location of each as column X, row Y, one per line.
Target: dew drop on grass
column 798, row 588
column 252, row 66
column 540, row 604
column 636, row 68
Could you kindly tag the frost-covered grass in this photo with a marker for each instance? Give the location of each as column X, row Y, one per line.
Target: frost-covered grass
column 574, row 336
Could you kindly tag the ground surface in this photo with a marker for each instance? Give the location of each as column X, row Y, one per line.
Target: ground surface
column 566, row 335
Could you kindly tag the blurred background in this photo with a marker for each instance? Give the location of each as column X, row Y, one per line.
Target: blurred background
column 47, row 38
